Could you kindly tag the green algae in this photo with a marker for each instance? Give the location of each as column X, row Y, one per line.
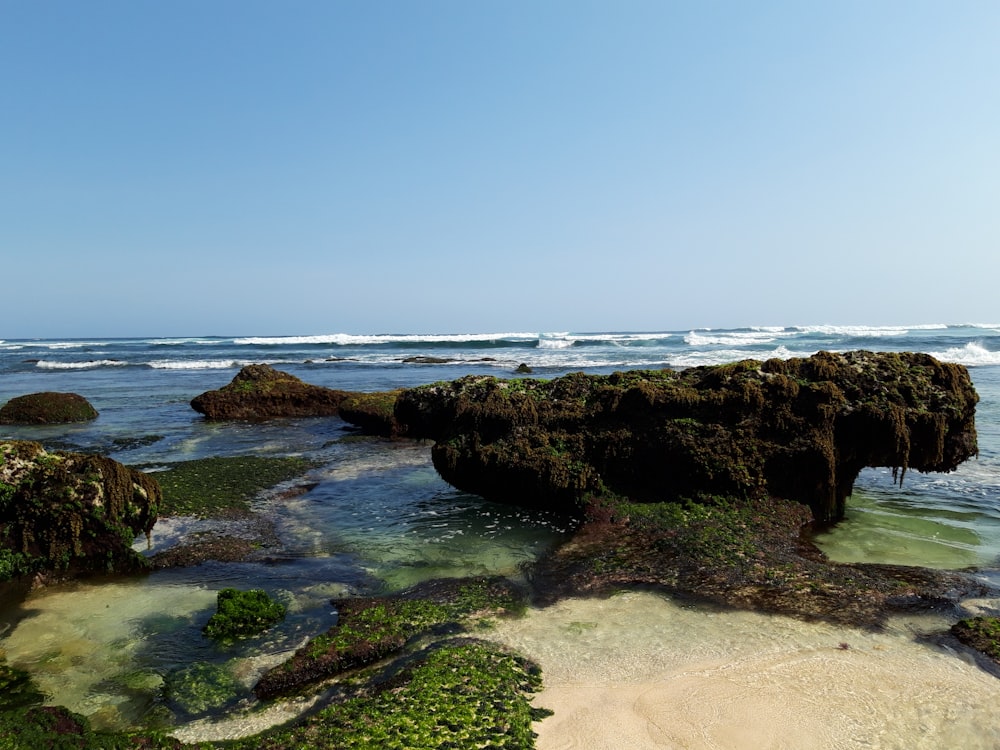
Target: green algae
column 243, row 613
column 17, row 689
column 211, row 486
column 202, row 687
column 372, row 629
column 980, row 633
column 462, row 694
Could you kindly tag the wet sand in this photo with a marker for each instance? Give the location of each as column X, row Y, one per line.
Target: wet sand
column 638, row 671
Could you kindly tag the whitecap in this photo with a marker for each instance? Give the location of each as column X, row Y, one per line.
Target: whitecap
column 545, row 343
column 857, row 331
column 346, row 339
column 725, row 356
column 707, row 337
column 199, row 364
column 89, row 364
column 973, row 354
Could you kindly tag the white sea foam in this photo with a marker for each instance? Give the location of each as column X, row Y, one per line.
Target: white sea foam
column 200, row 364
column 346, row 339
column 708, row 337
column 972, row 354
column 546, row 343
column 724, row 356
column 858, row 331
column 87, row 365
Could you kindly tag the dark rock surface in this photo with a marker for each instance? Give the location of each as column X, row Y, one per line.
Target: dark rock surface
column 800, row 429
column 68, row 513
column 47, row 408
column 261, row 392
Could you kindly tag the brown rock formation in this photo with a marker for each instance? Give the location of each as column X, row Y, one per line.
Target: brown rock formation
column 65, row 513
column 261, row 392
column 47, row 408
column 801, row 429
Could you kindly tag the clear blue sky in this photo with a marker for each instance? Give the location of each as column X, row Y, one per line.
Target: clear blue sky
column 239, row 167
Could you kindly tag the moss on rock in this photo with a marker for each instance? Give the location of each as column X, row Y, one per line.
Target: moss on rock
column 68, row 512
column 47, row 408
column 801, row 429
column 371, row 629
column 243, row 613
column 262, row 392
column 980, row 633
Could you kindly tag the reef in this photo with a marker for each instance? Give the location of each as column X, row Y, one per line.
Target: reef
column 47, row 408
column 799, row 429
column 63, row 514
column 262, row 392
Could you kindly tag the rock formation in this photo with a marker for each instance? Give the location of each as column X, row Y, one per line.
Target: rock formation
column 261, row 392
column 47, row 408
column 799, row 429
column 65, row 513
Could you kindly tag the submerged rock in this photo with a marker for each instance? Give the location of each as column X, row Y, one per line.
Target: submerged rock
column 64, row 513
column 800, row 429
column 47, row 408
column 261, row 392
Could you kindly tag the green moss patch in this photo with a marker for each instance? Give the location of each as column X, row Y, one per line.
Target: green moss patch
column 243, row 613
column 211, row 486
column 368, row 630
column 465, row 694
column 980, row 633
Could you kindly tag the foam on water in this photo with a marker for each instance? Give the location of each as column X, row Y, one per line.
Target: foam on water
column 973, row 354
column 85, row 365
column 347, row 339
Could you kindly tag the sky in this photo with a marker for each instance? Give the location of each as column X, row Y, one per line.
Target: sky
column 238, row 167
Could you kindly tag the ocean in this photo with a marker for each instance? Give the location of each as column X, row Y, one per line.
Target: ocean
column 379, row 518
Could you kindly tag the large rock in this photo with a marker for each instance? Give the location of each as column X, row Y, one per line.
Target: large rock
column 800, row 429
column 261, row 392
column 47, row 408
column 66, row 513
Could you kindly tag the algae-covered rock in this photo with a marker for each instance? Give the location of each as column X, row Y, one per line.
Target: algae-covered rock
column 243, row 613
column 800, row 429
column 261, row 392
column 201, row 687
column 47, row 408
column 980, row 633
column 369, row 629
column 374, row 412
column 462, row 693
column 70, row 512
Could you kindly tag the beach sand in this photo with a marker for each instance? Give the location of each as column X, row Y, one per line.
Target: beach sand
column 639, row 671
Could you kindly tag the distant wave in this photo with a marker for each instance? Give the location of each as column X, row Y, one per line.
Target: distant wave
column 203, row 364
column 724, row 356
column 87, row 365
column 346, row 339
column 709, row 337
column 972, row 354
column 861, row 331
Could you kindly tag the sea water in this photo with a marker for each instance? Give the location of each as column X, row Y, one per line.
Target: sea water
column 380, row 519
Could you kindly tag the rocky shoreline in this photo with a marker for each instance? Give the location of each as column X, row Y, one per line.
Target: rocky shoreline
column 702, row 484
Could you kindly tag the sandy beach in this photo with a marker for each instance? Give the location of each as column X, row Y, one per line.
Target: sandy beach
column 639, row 671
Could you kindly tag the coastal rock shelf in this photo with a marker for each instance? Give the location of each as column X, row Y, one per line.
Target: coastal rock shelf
column 798, row 429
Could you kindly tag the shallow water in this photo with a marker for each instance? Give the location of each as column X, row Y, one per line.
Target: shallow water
column 378, row 519
column 638, row 670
